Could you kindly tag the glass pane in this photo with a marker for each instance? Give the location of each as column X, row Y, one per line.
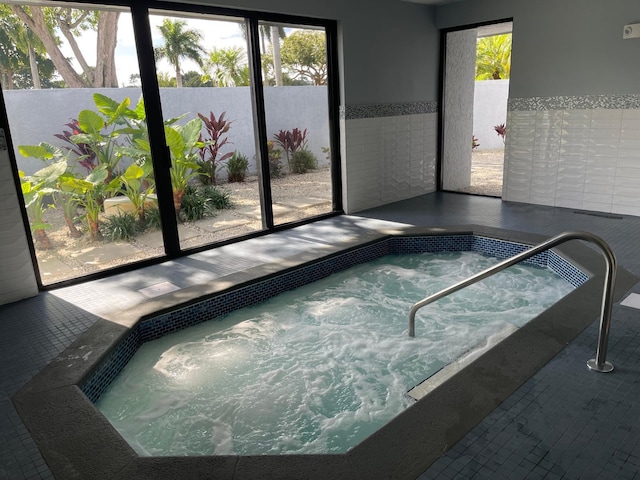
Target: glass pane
column 294, row 75
column 70, row 80
column 203, row 72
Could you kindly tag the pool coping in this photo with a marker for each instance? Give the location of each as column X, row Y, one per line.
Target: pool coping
column 78, row 442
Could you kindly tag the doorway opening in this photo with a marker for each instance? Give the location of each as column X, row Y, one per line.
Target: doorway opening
column 477, row 69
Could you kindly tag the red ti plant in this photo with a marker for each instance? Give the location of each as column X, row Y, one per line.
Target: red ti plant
column 501, row 130
column 210, row 147
column 291, row 141
column 86, row 156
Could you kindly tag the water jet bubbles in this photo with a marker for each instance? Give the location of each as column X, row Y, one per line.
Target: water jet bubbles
column 318, row 369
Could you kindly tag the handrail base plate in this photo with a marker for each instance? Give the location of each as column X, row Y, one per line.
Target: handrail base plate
column 605, row 368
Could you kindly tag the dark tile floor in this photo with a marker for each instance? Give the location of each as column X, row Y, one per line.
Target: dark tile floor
column 565, row 422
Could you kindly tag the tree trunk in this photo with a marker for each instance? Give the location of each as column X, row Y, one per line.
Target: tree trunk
column 105, row 72
column 36, row 22
column 94, row 230
column 73, row 231
column 141, row 216
column 68, row 34
column 265, row 70
column 42, row 240
column 277, row 62
column 33, row 65
column 178, row 76
column 177, row 200
column 7, row 77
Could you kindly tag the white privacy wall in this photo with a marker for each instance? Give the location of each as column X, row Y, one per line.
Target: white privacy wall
column 283, row 112
column 580, row 155
column 389, row 157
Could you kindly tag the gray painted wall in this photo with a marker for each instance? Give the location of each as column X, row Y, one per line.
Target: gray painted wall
column 561, row 47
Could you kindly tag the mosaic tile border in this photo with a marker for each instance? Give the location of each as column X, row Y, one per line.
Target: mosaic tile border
column 581, row 102
column 149, row 329
column 352, row 112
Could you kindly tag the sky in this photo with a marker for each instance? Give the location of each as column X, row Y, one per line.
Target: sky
column 215, row 33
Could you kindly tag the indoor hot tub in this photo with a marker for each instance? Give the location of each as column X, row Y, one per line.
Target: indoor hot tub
column 78, row 441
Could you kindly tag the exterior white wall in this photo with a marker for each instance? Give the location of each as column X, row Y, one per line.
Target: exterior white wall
column 489, row 110
column 388, row 158
column 287, row 108
column 17, row 277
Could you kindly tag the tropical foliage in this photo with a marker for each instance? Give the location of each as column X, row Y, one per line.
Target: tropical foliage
column 493, row 57
column 35, row 41
column 179, row 43
column 97, row 142
column 304, row 54
column 294, row 145
column 49, row 24
column 217, row 129
column 23, row 61
column 227, row 67
column 237, row 167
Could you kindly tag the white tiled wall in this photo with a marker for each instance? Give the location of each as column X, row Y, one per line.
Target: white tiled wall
column 576, row 158
column 17, row 278
column 386, row 159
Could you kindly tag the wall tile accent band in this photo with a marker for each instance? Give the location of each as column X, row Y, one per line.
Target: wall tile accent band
column 581, row 102
column 350, row 112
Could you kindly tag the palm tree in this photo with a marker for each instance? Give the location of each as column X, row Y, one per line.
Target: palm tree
column 227, row 67
column 493, row 57
column 179, row 43
column 271, row 34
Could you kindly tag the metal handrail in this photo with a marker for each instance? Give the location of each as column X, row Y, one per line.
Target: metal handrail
column 598, row 363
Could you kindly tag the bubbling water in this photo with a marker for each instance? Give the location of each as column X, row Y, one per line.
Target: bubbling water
column 318, row 369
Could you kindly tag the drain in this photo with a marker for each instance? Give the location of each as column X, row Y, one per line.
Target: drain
column 601, row 215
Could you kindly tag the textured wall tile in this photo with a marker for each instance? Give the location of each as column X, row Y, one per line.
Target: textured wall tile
column 576, row 119
column 629, row 200
column 568, row 199
column 606, row 119
column 625, row 210
column 393, row 158
column 587, row 204
column 628, row 153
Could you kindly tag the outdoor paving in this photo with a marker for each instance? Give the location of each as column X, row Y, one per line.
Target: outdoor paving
column 486, row 173
column 304, row 202
column 256, row 212
column 99, row 254
column 221, row 221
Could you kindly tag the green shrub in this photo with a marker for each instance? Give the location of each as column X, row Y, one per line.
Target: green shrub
column 152, row 218
column 237, row 167
column 194, row 205
column 121, row 227
column 219, row 198
column 302, row 161
column 275, row 162
column 207, row 172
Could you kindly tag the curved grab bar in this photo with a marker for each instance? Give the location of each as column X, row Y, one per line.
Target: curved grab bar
column 599, row 363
